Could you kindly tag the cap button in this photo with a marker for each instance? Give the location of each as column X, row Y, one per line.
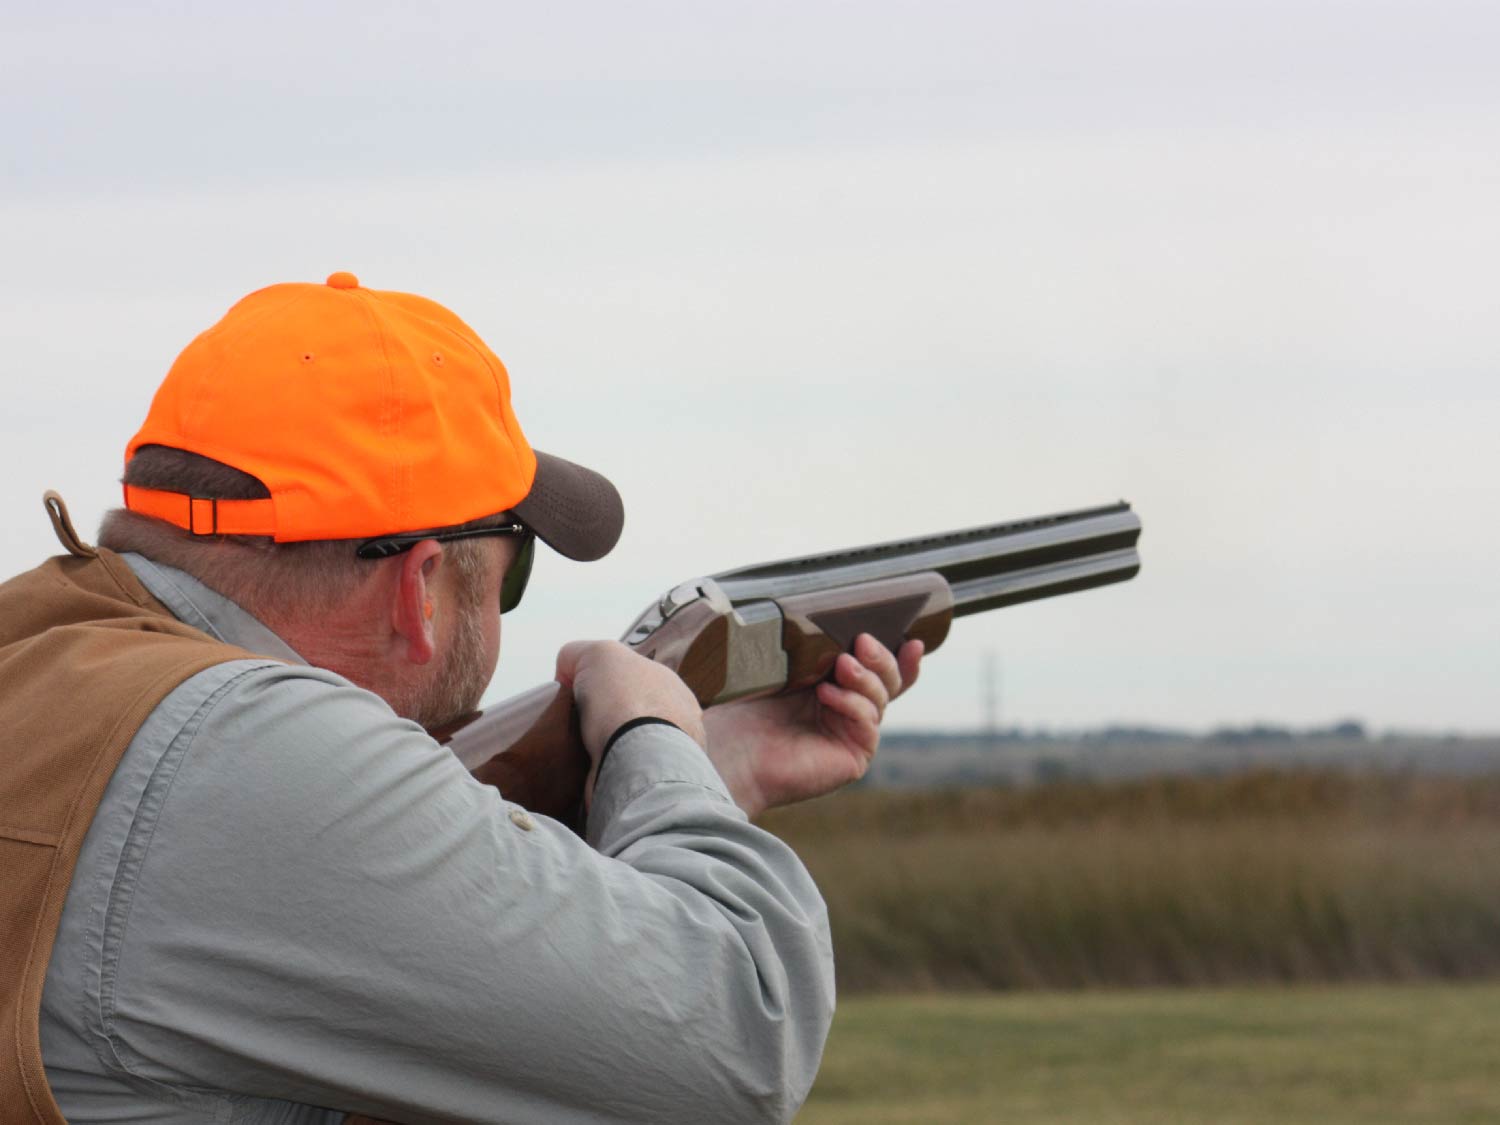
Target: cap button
column 343, row 280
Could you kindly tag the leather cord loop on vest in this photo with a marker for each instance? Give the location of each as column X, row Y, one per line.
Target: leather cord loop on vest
column 62, row 525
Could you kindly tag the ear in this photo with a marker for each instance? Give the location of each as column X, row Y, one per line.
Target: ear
column 412, row 601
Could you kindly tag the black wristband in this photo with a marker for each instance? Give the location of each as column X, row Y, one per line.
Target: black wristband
column 626, row 728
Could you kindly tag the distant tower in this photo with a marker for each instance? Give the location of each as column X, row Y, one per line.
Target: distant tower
column 990, row 686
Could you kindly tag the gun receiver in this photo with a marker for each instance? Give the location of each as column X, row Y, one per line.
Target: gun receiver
column 779, row 627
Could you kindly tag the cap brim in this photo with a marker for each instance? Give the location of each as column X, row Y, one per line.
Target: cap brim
column 573, row 510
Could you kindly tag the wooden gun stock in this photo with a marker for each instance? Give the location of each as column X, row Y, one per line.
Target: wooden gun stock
column 528, row 747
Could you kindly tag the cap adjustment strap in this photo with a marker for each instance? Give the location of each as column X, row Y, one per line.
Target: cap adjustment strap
column 204, row 515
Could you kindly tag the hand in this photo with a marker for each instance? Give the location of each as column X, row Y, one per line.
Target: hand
column 789, row 748
column 613, row 685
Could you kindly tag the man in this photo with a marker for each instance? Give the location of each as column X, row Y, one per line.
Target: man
column 244, row 885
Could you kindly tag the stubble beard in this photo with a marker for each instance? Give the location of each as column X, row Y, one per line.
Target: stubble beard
column 464, row 671
column 460, row 680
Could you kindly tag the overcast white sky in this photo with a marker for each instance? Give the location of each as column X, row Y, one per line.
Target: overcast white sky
column 801, row 276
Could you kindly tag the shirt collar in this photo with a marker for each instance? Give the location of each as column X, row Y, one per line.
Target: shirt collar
column 193, row 603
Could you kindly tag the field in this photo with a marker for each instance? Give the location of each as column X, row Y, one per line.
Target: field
column 1269, row 877
column 1275, row 946
column 1369, row 1054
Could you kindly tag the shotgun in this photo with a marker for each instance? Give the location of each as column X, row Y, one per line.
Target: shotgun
column 779, row 627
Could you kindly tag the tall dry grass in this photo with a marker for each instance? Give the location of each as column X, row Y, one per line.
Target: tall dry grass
column 1264, row 877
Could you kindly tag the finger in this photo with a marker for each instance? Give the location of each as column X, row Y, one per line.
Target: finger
column 569, row 658
column 876, row 657
column 851, row 674
column 909, row 661
column 567, row 662
column 859, row 713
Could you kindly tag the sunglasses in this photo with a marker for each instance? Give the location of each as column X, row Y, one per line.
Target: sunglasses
column 516, row 576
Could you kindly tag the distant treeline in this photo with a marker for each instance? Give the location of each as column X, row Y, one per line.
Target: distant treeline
column 1014, row 757
column 1262, row 876
column 1349, row 730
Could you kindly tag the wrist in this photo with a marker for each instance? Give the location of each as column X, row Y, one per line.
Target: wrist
column 624, row 729
column 736, row 769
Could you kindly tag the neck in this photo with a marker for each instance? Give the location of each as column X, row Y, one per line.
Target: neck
column 339, row 638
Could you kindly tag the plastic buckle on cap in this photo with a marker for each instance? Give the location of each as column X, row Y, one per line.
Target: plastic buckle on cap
column 209, row 511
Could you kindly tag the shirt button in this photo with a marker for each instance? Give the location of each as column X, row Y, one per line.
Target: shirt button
column 522, row 820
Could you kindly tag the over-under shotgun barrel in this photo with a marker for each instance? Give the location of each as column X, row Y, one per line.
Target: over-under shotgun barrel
column 987, row 567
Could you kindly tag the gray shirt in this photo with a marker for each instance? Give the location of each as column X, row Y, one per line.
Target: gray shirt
column 290, row 898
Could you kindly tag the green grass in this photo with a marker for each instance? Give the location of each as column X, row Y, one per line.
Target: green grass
column 1368, row 1054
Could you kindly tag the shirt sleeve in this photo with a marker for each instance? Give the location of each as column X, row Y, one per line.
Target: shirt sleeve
column 324, row 907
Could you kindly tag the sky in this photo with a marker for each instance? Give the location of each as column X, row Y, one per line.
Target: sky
column 805, row 276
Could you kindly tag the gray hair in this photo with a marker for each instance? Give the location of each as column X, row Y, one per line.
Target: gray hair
column 267, row 578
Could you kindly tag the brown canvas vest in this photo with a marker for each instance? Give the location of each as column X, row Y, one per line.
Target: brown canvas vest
column 85, row 655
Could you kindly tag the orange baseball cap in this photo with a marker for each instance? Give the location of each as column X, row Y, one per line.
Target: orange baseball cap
column 364, row 413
